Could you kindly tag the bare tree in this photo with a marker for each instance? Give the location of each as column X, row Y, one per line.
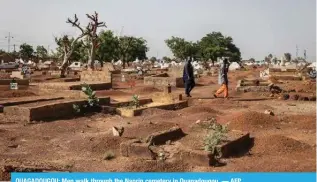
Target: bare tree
column 91, row 32
column 68, row 48
column 93, row 37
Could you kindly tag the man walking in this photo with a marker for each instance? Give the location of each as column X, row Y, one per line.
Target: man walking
column 188, row 77
column 223, row 79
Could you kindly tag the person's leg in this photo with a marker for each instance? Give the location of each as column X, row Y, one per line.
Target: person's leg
column 226, row 94
column 192, row 85
column 187, row 88
column 220, row 90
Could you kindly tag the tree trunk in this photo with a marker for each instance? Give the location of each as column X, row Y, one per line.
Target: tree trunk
column 123, row 61
column 123, row 64
column 64, row 67
column 91, row 61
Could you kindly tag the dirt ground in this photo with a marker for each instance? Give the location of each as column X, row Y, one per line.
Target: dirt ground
column 283, row 142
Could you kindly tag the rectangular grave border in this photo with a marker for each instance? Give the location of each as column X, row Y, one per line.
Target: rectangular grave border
column 74, row 85
column 48, row 111
column 241, row 88
column 24, row 82
column 136, row 112
column 20, row 102
column 160, row 82
column 147, row 149
column 127, row 103
column 287, row 77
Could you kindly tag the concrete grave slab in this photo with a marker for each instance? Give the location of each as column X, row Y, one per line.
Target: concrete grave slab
column 74, row 85
column 19, row 81
column 131, row 112
column 20, row 101
column 163, row 80
column 250, row 86
column 159, row 138
column 46, row 111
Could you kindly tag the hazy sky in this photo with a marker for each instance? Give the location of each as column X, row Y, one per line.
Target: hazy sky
column 258, row 27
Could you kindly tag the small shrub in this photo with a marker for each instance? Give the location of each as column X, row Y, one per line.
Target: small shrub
column 209, row 124
column 76, row 108
column 214, row 138
column 109, row 155
column 92, row 100
column 135, row 101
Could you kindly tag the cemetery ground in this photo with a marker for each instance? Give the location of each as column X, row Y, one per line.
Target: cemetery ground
column 268, row 133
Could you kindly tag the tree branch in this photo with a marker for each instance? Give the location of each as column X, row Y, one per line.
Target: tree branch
column 75, row 23
column 73, row 45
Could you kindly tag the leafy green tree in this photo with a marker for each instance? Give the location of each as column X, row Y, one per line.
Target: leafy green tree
column 267, row 59
column 153, row 60
column 139, row 48
column 26, row 51
column 70, row 49
column 270, row 56
column 41, row 52
column 252, row 60
column 2, row 52
column 181, row 48
column 131, row 48
column 288, row 56
column 78, row 54
column 167, row 59
column 215, row 45
column 108, row 49
column 14, row 54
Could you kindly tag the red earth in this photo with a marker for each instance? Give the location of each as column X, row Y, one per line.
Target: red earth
column 282, row 143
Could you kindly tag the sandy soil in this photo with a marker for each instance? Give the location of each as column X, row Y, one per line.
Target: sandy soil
column 283, row 142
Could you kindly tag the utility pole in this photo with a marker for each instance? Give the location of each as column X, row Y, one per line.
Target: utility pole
column 296, row 51
column 305, row 54
column 13, row 47
column 9, row 40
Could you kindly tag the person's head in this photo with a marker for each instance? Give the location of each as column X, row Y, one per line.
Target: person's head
column 225, row 61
